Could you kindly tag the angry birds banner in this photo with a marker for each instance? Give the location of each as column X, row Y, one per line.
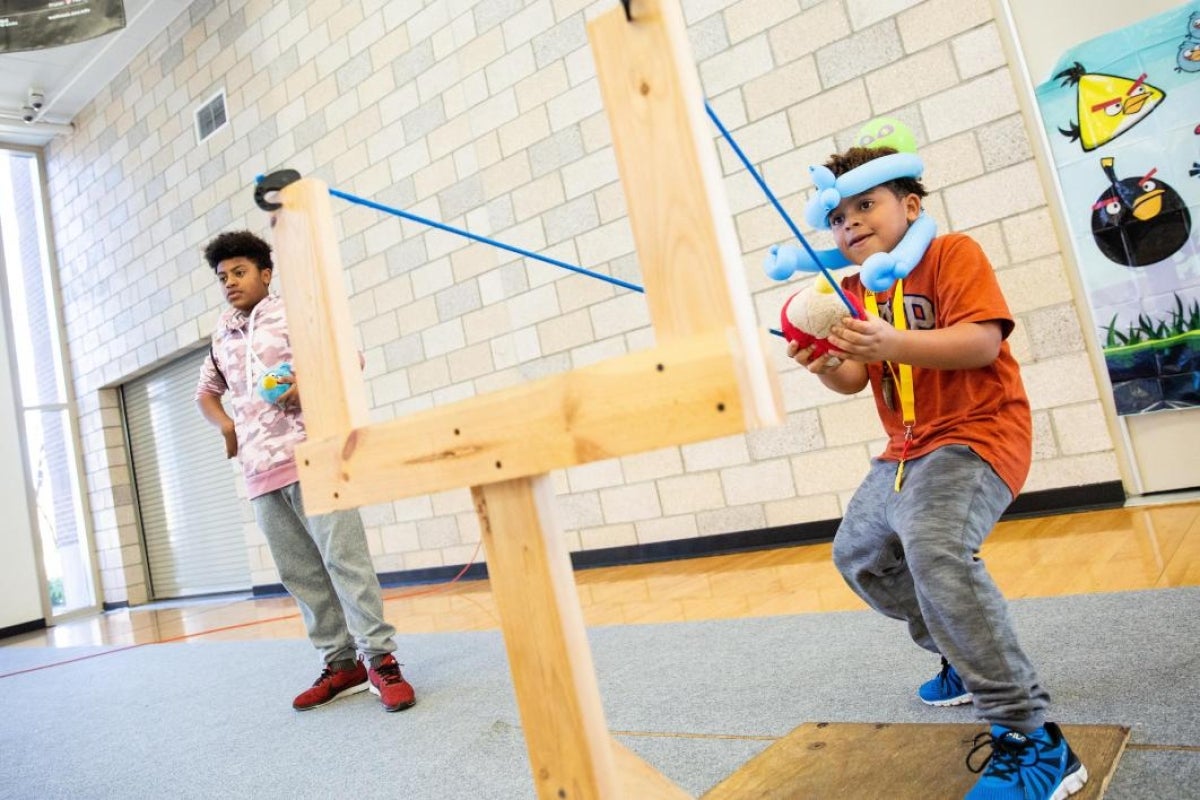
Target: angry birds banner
column 1122, row 117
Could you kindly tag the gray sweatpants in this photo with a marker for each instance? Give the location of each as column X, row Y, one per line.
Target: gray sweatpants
column 324, row 562
column 912, row 555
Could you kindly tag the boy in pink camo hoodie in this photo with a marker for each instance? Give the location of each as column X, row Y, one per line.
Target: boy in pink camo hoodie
column 323, row 560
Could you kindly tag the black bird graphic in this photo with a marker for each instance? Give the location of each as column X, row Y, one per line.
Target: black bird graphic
column 1139, row 221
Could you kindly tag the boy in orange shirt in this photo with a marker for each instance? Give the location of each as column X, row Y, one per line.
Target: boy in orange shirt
column 950, row 397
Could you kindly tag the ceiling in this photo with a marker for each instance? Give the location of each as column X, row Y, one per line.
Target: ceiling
column 70, row 76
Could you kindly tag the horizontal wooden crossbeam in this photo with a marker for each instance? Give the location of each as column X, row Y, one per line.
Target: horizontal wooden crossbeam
column 684, row 391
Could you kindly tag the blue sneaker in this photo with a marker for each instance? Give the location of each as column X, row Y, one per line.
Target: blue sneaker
column 1035, row 766
column 944, row 689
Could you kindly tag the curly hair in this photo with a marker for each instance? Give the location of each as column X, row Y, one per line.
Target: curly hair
column 238, row 244
column 841, row 163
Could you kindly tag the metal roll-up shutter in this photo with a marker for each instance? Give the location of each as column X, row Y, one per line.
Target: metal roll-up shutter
column 192, row 518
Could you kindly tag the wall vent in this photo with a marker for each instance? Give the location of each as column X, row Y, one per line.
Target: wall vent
column 211, row 116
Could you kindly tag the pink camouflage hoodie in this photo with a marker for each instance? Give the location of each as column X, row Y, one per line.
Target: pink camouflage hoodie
column 247, row 346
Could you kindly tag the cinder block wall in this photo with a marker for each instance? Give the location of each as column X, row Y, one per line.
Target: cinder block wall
column 486, row 115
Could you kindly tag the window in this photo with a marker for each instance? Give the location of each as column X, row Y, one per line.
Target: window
column 47, row 420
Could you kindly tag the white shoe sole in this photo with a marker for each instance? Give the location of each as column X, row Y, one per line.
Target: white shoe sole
column 375, row 692
column 961, row 700
column 361, row 687
column 1071, row 784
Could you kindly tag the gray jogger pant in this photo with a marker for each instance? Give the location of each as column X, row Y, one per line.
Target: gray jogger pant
column 323, row 561
column 911, row 555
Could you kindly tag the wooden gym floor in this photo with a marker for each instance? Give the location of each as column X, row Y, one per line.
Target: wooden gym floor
column 1151, row 546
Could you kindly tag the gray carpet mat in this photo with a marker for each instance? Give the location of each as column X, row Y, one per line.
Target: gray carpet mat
column 206, row 720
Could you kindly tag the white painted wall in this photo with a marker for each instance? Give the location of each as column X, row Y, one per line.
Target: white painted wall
column 1047, row 29
column 20, row 591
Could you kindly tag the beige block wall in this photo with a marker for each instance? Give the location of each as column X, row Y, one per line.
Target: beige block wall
column 487, row 115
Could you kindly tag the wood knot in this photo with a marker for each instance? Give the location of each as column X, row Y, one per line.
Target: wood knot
column 350, row 445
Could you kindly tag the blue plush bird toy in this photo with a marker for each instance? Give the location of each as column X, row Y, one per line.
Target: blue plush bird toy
column 270, row 388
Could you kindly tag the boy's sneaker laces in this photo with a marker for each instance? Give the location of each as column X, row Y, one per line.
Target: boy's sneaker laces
column 1034, row 766
column 331, row 684
column 395, row 693
column 944, row 689
column 1006, row 756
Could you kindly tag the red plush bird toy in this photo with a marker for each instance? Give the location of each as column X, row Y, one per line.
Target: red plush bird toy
column 810, row 313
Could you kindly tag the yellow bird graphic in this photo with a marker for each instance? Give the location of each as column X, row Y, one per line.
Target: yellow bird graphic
column 1107, row 105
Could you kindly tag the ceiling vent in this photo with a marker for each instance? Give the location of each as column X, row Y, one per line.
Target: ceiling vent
column 211, row 116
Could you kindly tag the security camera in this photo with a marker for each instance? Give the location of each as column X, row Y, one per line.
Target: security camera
column 28, row 114
column 36, row 98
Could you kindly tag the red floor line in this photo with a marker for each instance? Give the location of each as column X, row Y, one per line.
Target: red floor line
column 184, row 636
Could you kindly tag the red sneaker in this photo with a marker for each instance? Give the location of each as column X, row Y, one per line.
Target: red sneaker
column 331, row 684
column 394, row 692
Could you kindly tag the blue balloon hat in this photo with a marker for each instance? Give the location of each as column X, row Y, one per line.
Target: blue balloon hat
column 880, row 271
column 831, row 189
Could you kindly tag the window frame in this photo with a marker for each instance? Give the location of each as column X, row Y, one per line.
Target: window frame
column 66, row 404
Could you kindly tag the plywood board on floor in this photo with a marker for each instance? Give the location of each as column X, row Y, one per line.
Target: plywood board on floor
column 863, row 761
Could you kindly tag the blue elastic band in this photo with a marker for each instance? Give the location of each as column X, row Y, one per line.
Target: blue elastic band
column 495, row 243
column 485, row 240
column 771, row 196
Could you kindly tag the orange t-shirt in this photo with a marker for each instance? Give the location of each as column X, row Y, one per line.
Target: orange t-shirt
column 984, row 408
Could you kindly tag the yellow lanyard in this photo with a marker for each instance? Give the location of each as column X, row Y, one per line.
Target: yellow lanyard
column 904, row 380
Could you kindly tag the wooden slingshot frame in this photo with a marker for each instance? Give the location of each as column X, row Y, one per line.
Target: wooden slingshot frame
column 707, row 377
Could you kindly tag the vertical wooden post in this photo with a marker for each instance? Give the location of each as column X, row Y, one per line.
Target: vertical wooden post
column 687, row 247
column 309, row 267
column 570, row 749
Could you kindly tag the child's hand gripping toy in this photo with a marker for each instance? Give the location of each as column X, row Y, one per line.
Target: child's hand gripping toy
column 270, row 388
column 809, row 314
